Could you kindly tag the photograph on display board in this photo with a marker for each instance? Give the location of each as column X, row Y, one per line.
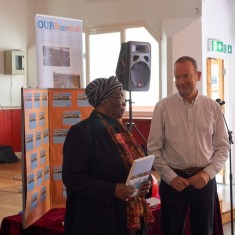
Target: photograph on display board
column 65, row 80
column 62, row 99
column 56, row 56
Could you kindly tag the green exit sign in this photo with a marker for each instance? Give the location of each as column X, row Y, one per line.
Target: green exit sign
column 229, row 49
column 218, row 46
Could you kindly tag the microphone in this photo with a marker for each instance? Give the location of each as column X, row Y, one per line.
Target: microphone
column 220, row 102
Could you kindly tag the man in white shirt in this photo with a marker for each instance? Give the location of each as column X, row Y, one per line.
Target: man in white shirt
column 189, row 139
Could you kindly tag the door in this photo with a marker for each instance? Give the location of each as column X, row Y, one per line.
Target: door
column 215, row 78
column 215, row 90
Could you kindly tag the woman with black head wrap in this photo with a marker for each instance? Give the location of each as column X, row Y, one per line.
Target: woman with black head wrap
column 97, row 156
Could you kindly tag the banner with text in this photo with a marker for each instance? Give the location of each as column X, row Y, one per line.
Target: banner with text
column 59, row 52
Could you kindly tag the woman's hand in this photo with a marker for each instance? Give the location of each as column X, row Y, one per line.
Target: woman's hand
column 144, row 188
column 124, row 192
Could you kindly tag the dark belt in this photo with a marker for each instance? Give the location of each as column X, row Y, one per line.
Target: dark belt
column 188, row 171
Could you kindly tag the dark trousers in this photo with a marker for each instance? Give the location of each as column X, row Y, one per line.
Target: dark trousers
column 139, row 232
column 175, row 205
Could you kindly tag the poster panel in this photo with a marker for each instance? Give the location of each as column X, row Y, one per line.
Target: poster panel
column 36, row 162
column 67, row 107
column 47, row 116
column 59, row 52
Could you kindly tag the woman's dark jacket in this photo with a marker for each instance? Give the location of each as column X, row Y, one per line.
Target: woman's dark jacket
column 91, row 168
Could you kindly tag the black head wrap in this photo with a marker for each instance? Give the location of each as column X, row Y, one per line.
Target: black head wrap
column 101, row 89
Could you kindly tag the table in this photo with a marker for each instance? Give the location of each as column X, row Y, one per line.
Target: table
column 51, row 224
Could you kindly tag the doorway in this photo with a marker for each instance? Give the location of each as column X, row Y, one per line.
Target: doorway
column 215, row 78
column 215, row 90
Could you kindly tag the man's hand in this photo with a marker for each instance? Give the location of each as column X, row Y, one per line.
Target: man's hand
column 179, row 183
column 199, row 180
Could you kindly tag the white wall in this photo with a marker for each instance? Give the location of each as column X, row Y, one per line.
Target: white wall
column 218, row 23
column 180, row 36
column 188, row 41
column 13, row 36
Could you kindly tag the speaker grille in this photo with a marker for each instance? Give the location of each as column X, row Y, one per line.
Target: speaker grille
column 140, row 75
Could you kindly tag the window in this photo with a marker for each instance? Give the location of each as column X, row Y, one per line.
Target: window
column 103, row 48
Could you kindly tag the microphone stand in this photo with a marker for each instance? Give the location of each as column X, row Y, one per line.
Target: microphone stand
column 230, row 172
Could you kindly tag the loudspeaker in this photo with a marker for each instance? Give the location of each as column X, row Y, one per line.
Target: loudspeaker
column 7, row 154
column 133, row 67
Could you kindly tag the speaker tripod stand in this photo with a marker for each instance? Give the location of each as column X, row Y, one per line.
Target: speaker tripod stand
column 131, row 124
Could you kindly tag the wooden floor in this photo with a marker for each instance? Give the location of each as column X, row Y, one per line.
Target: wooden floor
column 10, row 182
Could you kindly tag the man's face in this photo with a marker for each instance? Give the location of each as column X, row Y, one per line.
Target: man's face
column 186, row 79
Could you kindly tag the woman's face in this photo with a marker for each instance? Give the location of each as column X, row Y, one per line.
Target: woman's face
column 115, row 105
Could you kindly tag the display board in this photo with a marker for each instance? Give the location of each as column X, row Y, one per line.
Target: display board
column 47, row 115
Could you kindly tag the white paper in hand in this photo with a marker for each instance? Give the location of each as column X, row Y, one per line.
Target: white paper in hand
column 140, row 171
